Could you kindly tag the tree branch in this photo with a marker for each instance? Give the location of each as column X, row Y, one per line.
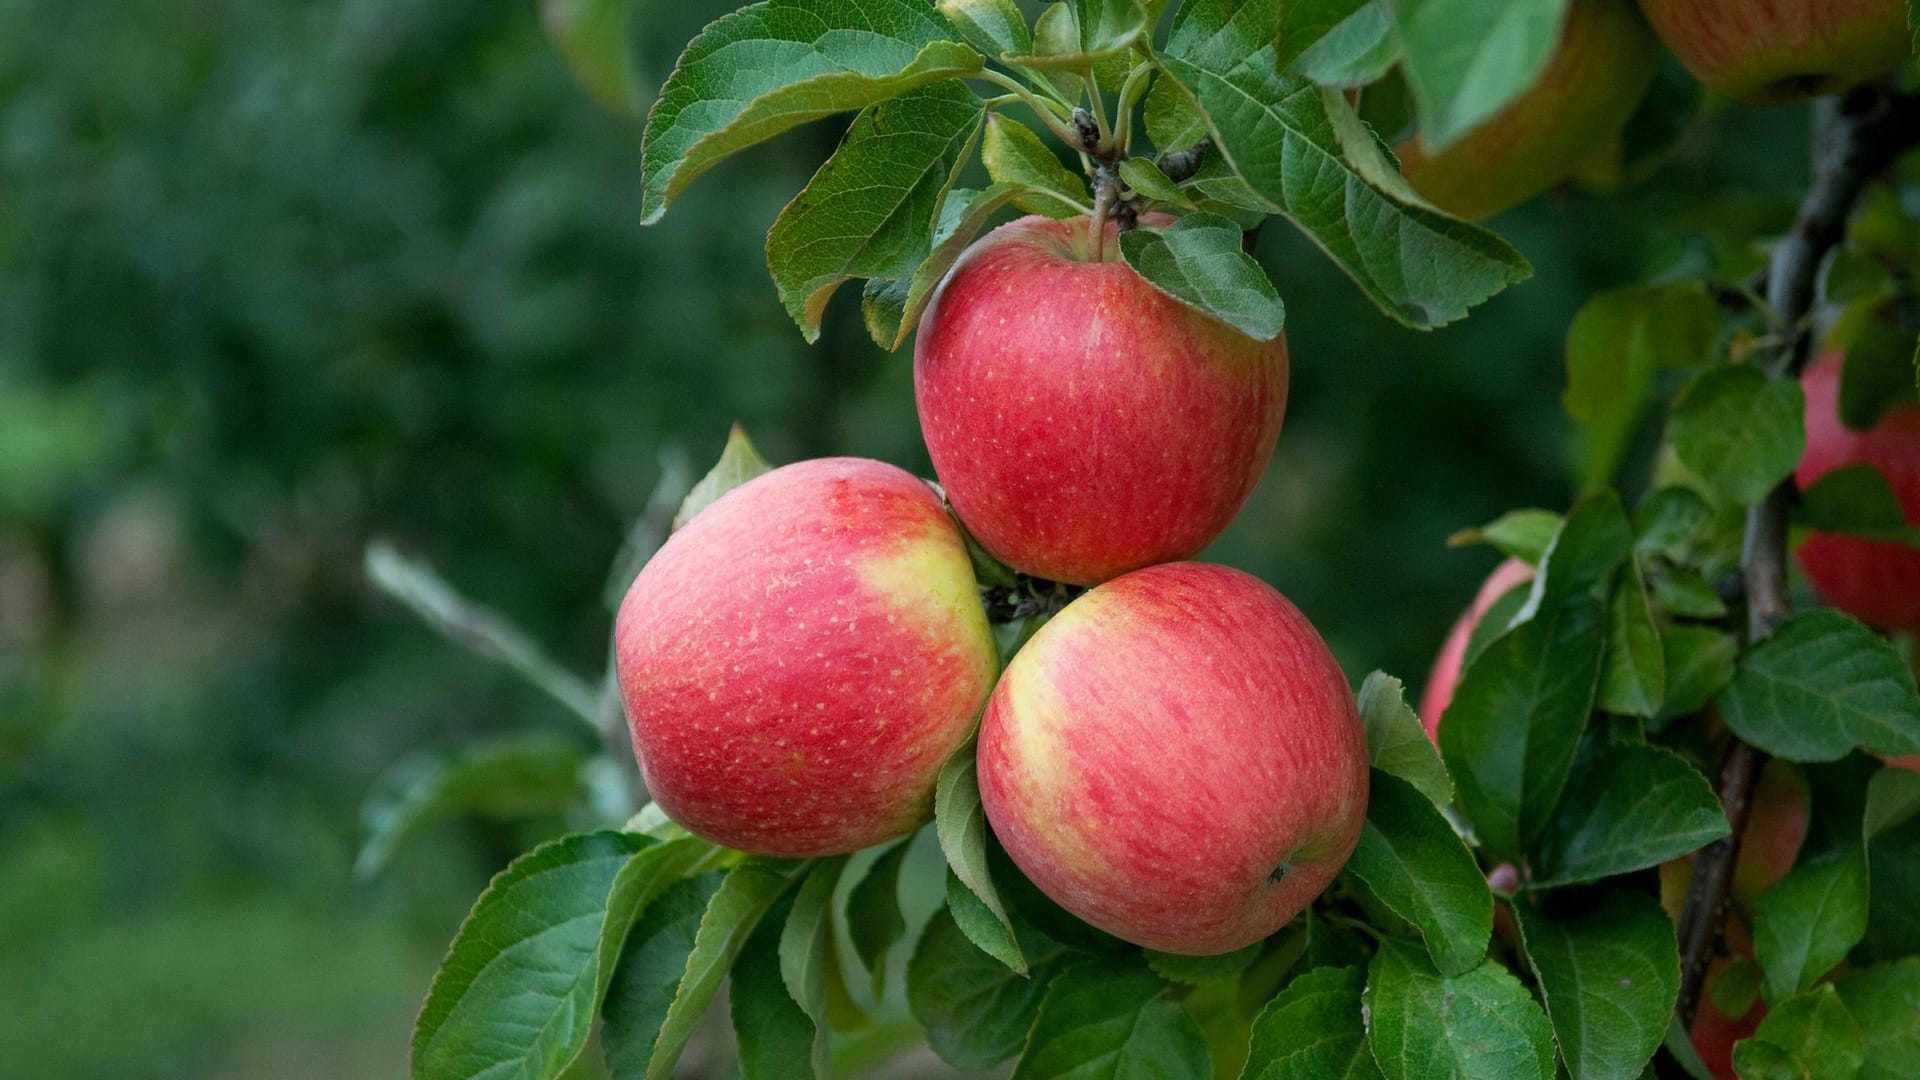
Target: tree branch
column 1856, row 137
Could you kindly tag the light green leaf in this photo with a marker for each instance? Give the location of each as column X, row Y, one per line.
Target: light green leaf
column 1856, row 500
column 1282, row 136
column 1015, row 155
column 1359, row 50
column 1617, row 341
column 1521, row 534
column 1303, row 23
column 1804, row 923
column 1610, row 974
column 1198, row 261
column 505, row 776
column 1626, row 808
column 809, row 965
column 961, row 825
column 1739, row 429
column 869, row 212
column 1412, row 861
column 1145, row 178
column 995, row 27
column 1480, row 1024
column 1685, row 593
column 874, row 921
column 975, row 1010
column 1112, row 1019
column 1820, row 686
column 739, row 462
column 1396, row 743
column 1811, row 1037
column 972, row 216
column 777, row 64
column 648, row 974
column 1885, row 1002
column 1633, row 679
column 1100, row 28
column 1467, row 59
column 1313, row 1029
column 596, row 38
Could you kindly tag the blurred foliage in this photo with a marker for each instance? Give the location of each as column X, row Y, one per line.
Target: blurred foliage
column 277, row 277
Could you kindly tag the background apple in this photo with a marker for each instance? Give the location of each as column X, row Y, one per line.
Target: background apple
column 1176, row 758
column 1083, row 423
column 1875, row 581
column 1605, row 60
column 1782, row 49
column 1445, row 674
column 799, row 660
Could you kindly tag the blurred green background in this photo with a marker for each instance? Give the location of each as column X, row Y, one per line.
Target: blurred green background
column 280, row 277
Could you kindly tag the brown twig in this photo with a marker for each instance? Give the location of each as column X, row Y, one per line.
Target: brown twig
column 1856, row 137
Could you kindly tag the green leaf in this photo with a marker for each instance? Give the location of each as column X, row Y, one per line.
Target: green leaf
column 1879, row 373
column 1100, row 28
column 1686, row 593
column 961, row 825
column 1521, row 534
column 1850, row 274
column 975, row 1010
column 1143, row 177
column 1396, row 743
column 1677, row 524
column 1885, row 1002
column 1811, row 1037
column 1626, row 808
column 596, row 38
column 1412, row 860
column 739, row 462
column 1510, row 734
column 1112, row 1019
column 1480, row 1024
column 505, row 776
column 1610, row 974
column 1700, row 664
column 774, row 65
column 1304, row 154
column 970, row 218
column 1357, row 51
column 536, row 953
column 748, row 891
column 1314, row 1028
column 874, row 921
column 1804, row 923
column 1633, row 679
column 777, row 1040
column 1198, row 970
column 1582, row 557
column 1198, row 261
column 1467, row 59
column 995, row 27
column 869, row 211
column 1618, row 339
column 1737, row 987
column 1013, row 154
column 1303, row 23
column 1856, row 500
column 1820, row 686
column 1739, row 429
column 809, row 966
column 648, row 974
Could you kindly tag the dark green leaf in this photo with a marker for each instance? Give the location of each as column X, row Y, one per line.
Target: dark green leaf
column 1411, row 859
column 1626, row 808
column 1522, row 534
column 739, row 462
column 1885, row 1002
column 874, row 921
column 869, row 212
column 809, row 965
column 1396, row 743
column 1820, row 686
column 1314, row 1029
column 1633, row 679
column 1617, row 341
column 975, row 1010
column 1804, row 923
column 1198, row 261
column 506, row 776
column 1304, row 154
column 777, row 1040
column 1811, row 1037
column 1879, row 373
column 995, row 27
column 1678, row 524
column 1593, row 542
column 1467, row 59
column 1197, row 970
column 1481, row 1024
column 1013, row 154
column 1112, row 1019
column 649, row 973
column 1856, row 499
column 973, row 216
column 1685, row 593
column 773, row 65
column 1700, row 664
column 1303, row 23
column 1610, row 975
column 961, row 825
column 1739, row 429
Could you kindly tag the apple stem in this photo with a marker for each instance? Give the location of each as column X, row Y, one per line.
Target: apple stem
column 1855, row 138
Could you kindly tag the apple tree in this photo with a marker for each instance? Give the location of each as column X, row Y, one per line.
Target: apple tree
column 987, row 768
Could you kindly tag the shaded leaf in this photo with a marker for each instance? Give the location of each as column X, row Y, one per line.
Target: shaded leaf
column 1198, row 970
column 1112, row 1019
column 1884, row 1001
column 1412, row 861
column 1198, row 261
column 1739, row 429
column 1313, row 1029
column 1804, row 923
column 506, row 776
column 1480, row 1024
column 1522, row 534
column 874, row 921
column 976, row 1011
column 961, row 825
column 1811, row 1037
column 1610, row 975
column 1626, row 808
column 1467, row 59
column 1820, row 686
column 1633, row 679
column 648, row 974
column 995, row 27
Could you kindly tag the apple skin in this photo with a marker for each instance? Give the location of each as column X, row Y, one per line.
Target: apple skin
column 1760, row 53
column 1176, row 758
column 1082, row 422
column 1445, row 675
column 1874, row 581
column 1604, row 63
column 801, row 657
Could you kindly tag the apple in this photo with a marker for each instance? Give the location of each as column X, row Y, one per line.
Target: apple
column 1176, row 759
column 1082, row 422
column 1875, row 581
column 1445, row 675
column 1605, row 61
column 1781, row 49
column 801, row 657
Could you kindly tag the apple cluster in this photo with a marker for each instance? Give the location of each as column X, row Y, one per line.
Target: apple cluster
column 1175, row 757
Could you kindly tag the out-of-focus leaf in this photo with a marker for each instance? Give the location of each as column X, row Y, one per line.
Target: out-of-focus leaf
column 506, row 776
column 739, row 462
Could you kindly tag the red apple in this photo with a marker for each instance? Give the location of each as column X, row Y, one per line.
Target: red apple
column 799, row 660
column 1176, row 759
column 1604, row 62
column 1453, row 651
column 1778, row 50
column 1875, row 581
column 1082, row 422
